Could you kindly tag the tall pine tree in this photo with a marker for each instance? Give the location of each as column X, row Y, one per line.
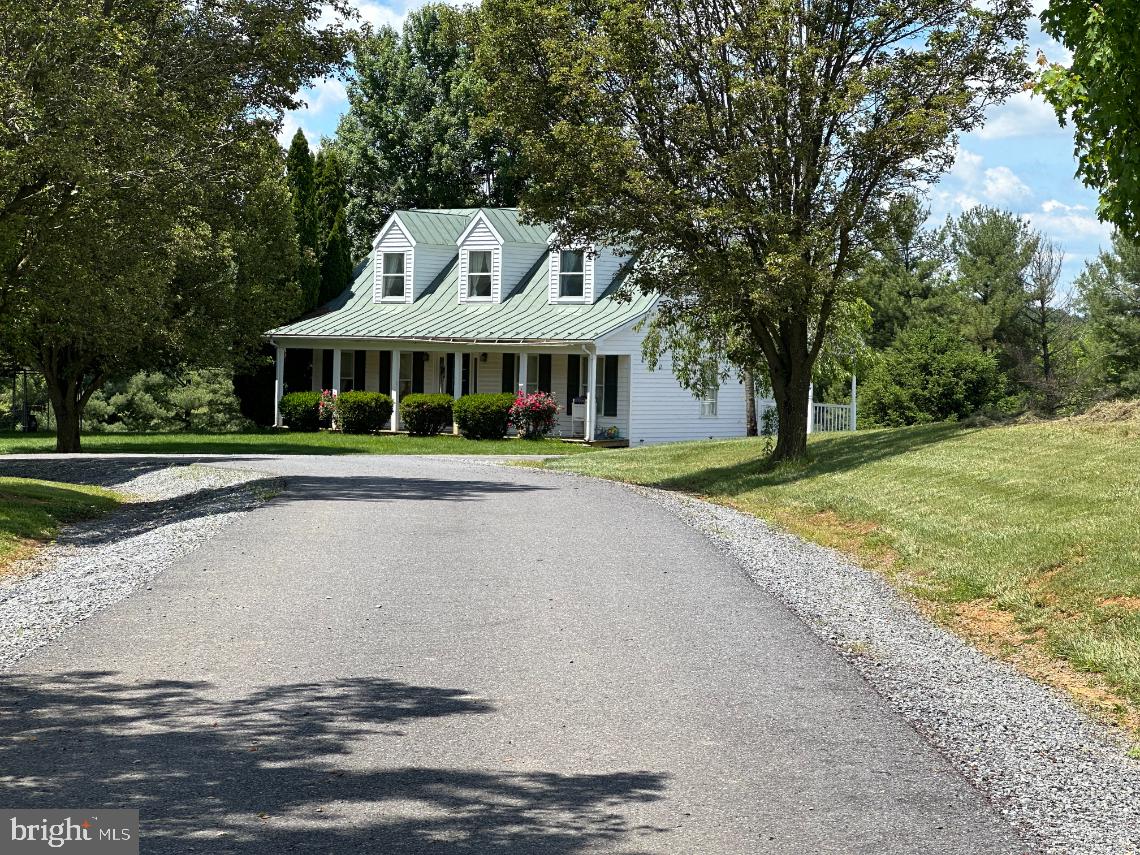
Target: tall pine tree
column 334, row 253
column 300, row 171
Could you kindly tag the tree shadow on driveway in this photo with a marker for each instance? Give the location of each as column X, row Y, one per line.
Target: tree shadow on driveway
column 136, row 518
column 309, row 766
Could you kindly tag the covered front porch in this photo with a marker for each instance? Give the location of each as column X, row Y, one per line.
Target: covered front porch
column 592, row 388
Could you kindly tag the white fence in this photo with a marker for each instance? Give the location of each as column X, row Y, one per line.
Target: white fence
column 830, row 417
column 822, row 418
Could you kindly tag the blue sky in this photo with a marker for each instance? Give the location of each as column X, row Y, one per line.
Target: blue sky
column 1022, row 160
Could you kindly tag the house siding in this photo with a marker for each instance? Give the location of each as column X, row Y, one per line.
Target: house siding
column 660, row 409
column 481, row 237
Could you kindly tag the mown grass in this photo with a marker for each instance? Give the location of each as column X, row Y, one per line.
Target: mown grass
column 1025, row 537
column 283, row 442
column 31, row 512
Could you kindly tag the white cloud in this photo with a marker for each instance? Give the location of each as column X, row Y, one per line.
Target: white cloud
column 967, row 166
column 289, row 127
column 325, row 95
column 1022, row 115
column 1068, row 222
column 1056, row 205
column 1003, row 186
column 379, row 15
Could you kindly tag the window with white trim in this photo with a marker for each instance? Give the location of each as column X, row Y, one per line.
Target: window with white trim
column 711, row 390
column 479, row 274
column 392, row 276
column 572, row 273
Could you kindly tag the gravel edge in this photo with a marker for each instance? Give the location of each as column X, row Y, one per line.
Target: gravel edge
column 97, row 563
column 1062, row 780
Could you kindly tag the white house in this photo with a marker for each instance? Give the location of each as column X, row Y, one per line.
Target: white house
column 460, row 301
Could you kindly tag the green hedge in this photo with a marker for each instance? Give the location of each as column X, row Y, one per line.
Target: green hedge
column 425, row 415
column 484, row 416
column 300, row 410
column 363, row 412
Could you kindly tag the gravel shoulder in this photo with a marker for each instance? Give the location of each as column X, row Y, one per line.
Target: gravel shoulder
column 94, row 564
column 1063, row 780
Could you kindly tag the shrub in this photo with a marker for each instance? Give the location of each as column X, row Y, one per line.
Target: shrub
column 930, row 375
column 363, row 412
column 484, row 416
column 300, row 410
column 534, row 415
column 425, row 415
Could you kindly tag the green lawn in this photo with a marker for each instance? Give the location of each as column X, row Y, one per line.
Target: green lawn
column 1026, row 537
column 31, row 512
column 283, row 442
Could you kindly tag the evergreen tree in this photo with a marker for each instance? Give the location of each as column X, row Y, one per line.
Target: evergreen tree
column 335, row 253
column 992, row 250
column 1109, row 293
column 301, row 174
column 903, row 271
column 336, row 259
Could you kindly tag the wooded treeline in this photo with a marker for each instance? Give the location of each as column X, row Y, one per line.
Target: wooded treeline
column 759, row 159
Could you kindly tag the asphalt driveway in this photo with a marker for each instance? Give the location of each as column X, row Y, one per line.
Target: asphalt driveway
column 413, row 655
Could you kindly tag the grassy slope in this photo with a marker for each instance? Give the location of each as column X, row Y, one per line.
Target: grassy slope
column 31, row 512
column 272, row 442
column 1026, row 538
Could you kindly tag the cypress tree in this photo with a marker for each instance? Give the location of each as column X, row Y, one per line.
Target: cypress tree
column 300, row 174
column 332, row 230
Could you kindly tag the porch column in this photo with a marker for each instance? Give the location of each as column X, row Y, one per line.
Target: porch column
column 522, row 373
column 279, row 386
column 811, row 408
column 336, row 370
column 456, row 385
column 591, row 394
column 854, row 406
column 394, row 386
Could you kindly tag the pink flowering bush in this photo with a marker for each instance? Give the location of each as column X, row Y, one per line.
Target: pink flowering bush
column 327, row 406
column 534, row 415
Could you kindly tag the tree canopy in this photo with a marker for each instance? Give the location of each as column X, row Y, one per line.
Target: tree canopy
column 742, row 149
column 414, row 134
column 143, row 210
column 1097, row 92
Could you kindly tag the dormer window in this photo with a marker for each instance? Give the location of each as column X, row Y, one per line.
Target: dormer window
column 479, row 274
column 392, row 285
column 572, row 273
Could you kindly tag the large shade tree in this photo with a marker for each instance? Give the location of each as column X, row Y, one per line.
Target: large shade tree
column 143, row 212
column 742, row 149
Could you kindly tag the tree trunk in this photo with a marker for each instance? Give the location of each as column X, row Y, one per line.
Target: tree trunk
column 65, row 404
column 791, row 393
column 69, row 395
column 751, row 427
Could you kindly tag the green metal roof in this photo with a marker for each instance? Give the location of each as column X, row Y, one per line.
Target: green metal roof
column 436, row 227
column 443, row 226
column 525, row 314
column 512, row 230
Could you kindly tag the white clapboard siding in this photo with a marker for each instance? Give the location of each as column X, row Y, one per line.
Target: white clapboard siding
column 480, row 237
column 600, row 267
column 429, row 261
column 422, row 262
column 660, row 409
column 517, row 261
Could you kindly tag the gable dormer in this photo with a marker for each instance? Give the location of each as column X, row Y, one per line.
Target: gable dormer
column 581, row 274
column 411, row 250
column 495, row 254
